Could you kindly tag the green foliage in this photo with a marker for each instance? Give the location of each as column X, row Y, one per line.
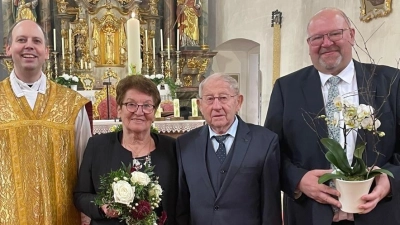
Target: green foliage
column 336, row 155
column 118, row 128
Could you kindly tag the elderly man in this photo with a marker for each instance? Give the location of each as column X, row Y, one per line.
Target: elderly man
column 228, row 169
column 44, row 129
column 330, row 41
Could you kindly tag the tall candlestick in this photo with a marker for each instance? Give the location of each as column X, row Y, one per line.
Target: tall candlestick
column 70, row 40
column 54, row 40
column 168, row 48
column 177, row 39
column 154, row 50
column 133, row 34
column 62, row 47
column 162, row 40
column 145, row 38
column 195, row 111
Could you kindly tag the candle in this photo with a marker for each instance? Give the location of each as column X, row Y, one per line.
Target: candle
column 158, row 112
column 177, row 39
column 70, row 40
column 86, row 66
column 133, row 34
column 90, row 66
column 162, row 40
column 176, row 108
column 62, row 47
column 145, row 39
column 195, row 111
column 154, row 50
column 168, row 48
column 54, row 40
column 81, row 64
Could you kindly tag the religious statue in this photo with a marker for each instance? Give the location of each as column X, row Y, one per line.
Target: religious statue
column 110, row 47
column 188, row 13
column 96, row 43
column 25, row 10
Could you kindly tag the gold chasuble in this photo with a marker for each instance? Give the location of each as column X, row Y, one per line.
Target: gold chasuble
column 38, row 165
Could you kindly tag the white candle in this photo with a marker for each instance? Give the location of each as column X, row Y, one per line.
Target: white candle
column 70, row 40
column 133, row 34
column 154, row 50
column 195, row 111
column 158, row 112
column 177, row 39
column 62, row 47
column 162, row 40
column 145, row 40
column 168, row 48
column 86, row 66
column 54, row 40
column 90, row 66
column 81, row 64
column 176, row 108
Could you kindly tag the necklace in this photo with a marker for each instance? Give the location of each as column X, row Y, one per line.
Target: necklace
column 136, row 152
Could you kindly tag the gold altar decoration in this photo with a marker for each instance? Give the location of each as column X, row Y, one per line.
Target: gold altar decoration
column 276, row 52
column 87, row 81
column 9, row 64
column 110, row 76
column 25, row 10
column 109, row 40
column 371, row 9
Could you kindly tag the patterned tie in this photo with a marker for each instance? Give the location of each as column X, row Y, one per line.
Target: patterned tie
column 221, row 151
column 334, row 131
column 333, row 92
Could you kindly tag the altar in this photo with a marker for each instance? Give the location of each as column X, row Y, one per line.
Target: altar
column 172, row 128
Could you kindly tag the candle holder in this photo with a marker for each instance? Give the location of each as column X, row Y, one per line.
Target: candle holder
column 168, row 68
column 55, row 64
column 71, row 63
column 146, row 66
column 162, row 62
column 178, row 80
column 154, row 65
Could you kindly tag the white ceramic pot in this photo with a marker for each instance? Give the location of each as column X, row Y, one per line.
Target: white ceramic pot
column 351, row 193
column 74, row 87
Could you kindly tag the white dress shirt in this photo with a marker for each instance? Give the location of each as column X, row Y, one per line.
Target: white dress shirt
column 348, row 89
column 82, row 124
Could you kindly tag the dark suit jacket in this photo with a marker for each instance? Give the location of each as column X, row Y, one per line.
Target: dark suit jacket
column 105, row 153
column 300, row 92
column 250, row 193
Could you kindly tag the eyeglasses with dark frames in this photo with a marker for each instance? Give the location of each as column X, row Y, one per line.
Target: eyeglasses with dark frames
column 223, row 99
column 133, row 107
column 318, row 39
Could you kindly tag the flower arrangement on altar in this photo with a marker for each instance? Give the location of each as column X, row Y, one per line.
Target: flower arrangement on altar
column 67, row 80
column 117, row 128
column 133, row 194
column 156, row 78
column 350, row 117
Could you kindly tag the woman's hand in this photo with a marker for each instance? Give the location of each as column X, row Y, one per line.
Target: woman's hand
column 110, row 213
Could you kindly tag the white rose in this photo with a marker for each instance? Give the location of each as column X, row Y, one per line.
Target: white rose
column 140, row 178
column 159, row 76
column 155, row 191
column 123, row 192
column 147, row 76
column 152, row 76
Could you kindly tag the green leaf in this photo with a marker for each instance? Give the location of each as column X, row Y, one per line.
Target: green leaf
column 338, row 153
column 377, row 172
column 330, row 176
column 358, row 152
column 359, row 167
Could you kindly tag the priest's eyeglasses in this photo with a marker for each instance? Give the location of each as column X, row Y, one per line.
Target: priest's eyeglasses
column 223, row 99
column 133, row 107
column 318, row 39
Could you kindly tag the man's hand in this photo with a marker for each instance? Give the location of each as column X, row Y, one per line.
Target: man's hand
column 319, row 192
column 110, row 213
column 381, row 190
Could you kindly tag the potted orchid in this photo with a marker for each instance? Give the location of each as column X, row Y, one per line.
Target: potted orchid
column 351, row 117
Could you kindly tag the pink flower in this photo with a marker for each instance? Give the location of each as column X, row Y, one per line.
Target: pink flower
column 142, row 210
column 162, row 218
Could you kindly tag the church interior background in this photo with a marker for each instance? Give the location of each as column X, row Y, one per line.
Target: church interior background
column 254, row 41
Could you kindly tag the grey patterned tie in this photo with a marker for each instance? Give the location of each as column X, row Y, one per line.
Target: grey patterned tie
column 334, row 131
column 221, row 151
column 333, row 92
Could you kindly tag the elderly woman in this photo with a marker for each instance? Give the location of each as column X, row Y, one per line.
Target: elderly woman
column 137, row 99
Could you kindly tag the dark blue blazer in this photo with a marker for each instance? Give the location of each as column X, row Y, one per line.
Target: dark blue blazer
column 295, row 99
column 250, row 193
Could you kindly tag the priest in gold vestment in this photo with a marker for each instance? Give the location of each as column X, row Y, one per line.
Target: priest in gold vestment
column 44, row 129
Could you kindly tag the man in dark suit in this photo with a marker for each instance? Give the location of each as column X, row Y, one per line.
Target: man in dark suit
column 303, row 93
column 228, row 169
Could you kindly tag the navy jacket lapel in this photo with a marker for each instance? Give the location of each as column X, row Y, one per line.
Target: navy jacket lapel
column 242, row 141
column 201, row 147
column 312, row 94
